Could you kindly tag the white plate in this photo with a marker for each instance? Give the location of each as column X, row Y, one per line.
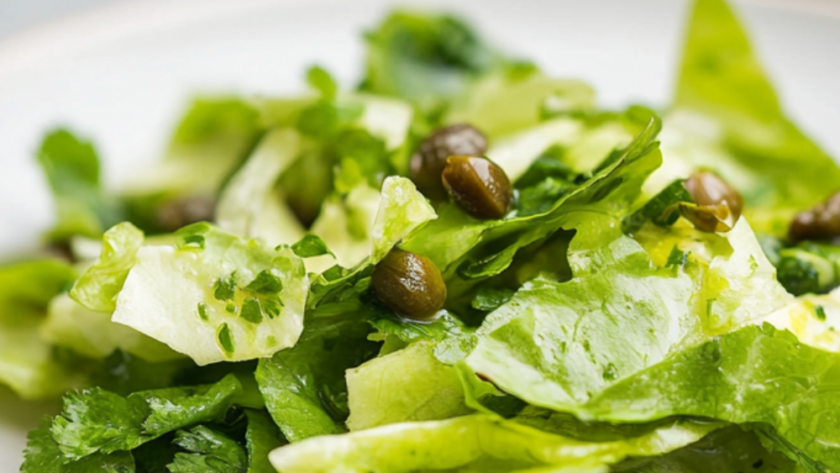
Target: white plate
column 121, row 74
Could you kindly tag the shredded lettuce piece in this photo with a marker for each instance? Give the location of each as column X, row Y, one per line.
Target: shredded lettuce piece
column 755, row 375
column 250, row 206
column 405, row 386
column 28, row 363
column 484, row 443
column 215, row 296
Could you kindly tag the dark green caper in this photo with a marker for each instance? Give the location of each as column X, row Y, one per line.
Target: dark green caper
column 479, row 186
column 717, row 206
column 820, row 222
column 428, row 163
column 409, row 284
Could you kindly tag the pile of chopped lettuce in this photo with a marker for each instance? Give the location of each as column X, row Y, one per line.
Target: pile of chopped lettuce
column 218, row 314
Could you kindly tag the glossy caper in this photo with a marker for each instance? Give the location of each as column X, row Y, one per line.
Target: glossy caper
column 409, row 284
column 820, row 222
column 717, row 206
column 428, row 162
column 479, row 186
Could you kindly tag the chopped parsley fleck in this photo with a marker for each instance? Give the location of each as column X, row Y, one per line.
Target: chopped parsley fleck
column 225, row 339
column 265, row 283
column 202, row 311
column 820, row 312
column 195, row 241
column 224, row 289
column 272, row 306
column 251, row 311
column 677, row 258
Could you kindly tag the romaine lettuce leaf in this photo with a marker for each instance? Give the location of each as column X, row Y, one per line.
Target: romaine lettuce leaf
column 214, row 135
column 97, row 288
column 71, row 166
column 92, row 334
column 403, row 386
column 468, row 250
column 471, row 444
column 755, row 375
column 517, row 99
column 728, row 449
column 814, row 319
column 727, row 117
column 215, row 296
column 250, row 206
column 28, row 363
column 555, row 344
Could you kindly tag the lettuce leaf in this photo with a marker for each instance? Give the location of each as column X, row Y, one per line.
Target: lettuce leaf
column 29, row 364
column 556, row 344
column 484, row 443
column 403, row 386
column 92, row 334
column 755, row 375
column 250, row 206
column 814, row 319
column 97, row 288
column 215, row 296
column 727, row 117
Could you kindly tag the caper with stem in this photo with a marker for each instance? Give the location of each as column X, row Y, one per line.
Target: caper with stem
column 409, row 284
column 428, row 162
column 717, row 206
column 479, row 186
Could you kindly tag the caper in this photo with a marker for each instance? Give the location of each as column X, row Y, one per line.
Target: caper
column 820, row 222
column 479, row 186
column 409, row 284
column 428, row 163
column 182, row 212
column 717, row 206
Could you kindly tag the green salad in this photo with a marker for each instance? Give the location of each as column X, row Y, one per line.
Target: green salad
column 460, row 265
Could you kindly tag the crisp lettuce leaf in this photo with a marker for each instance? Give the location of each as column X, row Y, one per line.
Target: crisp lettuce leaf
column 215, row 297
column 250, row 206
column 484, row 443
column 515, row 100
column 97, row 288
column 727, row 449
column 29, row 364
column 404, row 386
column 92, row 334
column 556, row 344
column 71, row 166
column 214, row 135
column 753, row 375
column 727, row 117
column 468, row 250
column 814, row 319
